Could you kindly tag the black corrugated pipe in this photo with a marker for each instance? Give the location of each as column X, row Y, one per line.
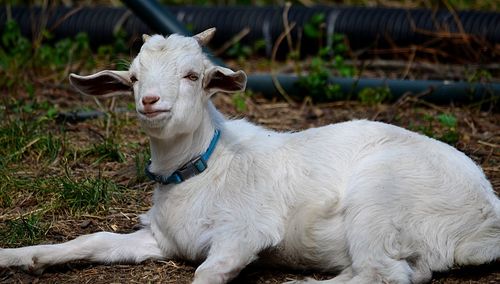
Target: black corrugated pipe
column 359, row 24
column 363, row 26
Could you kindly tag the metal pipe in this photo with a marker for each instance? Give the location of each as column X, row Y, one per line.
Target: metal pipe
column 157, row 17
column 431, row 90
column 160, row 20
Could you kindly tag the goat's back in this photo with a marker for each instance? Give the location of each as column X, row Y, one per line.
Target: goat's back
column 395, row 184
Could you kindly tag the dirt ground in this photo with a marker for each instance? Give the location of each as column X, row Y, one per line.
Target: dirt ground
column 479, row 138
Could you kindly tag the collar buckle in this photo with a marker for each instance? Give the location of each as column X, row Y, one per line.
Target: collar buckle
column 192, row 168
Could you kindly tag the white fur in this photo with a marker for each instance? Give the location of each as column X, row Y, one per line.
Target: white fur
column 373, row 201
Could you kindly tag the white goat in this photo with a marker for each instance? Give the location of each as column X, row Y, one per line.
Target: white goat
column 375, row 202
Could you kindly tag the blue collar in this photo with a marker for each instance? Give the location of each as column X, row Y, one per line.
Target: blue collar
column 190, row 169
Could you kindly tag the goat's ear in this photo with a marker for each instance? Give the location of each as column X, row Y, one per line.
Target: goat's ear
column 104, row 84
column 204, row 37
column 220, row 79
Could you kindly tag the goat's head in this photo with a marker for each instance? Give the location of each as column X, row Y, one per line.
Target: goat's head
column 171, row 79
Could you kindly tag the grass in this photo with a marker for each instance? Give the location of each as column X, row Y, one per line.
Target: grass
column 42, row 197
column 18, row 137
column 49, row 171
column 88, row 195
column 107, row 150
column 25, row 230
column 441, row 126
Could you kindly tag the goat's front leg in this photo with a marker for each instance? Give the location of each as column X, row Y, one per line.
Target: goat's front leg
column 100, row 247
column 224, row 262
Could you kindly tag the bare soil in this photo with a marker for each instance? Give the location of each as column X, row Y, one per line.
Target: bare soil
column 479, row 138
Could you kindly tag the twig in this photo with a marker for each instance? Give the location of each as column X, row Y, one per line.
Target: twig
column 273, row 61
column 491, row 169
column 64, row 17
column 121, row 21
column 307, row 102
column 232, row 41
column 408, row 50
column 25, row 147
column 18, row 215
column 457, row 20
column 488, row 144
column 286, row 24
column 94, row 217
column 410, row 63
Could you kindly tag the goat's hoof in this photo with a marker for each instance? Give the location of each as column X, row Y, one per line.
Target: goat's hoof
column 35, row 267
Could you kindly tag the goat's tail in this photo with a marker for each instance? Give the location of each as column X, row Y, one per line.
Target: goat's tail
column 483, row 246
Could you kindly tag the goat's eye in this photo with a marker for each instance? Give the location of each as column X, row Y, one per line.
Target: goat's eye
column 192, row 76
column 133, row 79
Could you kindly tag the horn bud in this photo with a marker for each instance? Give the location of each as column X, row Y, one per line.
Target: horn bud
column 204, row 37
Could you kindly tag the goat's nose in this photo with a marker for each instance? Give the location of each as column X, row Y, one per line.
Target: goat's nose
column 149, row 100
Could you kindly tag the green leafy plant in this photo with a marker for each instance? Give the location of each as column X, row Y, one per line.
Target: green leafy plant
column 240, row 100
column 442, row 127
column 242, row 51
column 21, row 59
column 449, row 123
column 314, row 27
column 329, row 61
column 373, row 96
column 316, row 83
column 14, row 55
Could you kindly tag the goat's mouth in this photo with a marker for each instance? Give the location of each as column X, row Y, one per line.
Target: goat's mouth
column 152, row 113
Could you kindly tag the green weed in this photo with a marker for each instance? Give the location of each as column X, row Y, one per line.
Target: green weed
column 316, row 82
column 239, row 51
column 240, row 100
column 14, row 56
column 141, row 159
column 21, row 59
column 106, row 151
column 442, row 127
column 22, row 137
column 449, row 123
column 55, row 193
column 87, row 195
column 330, row 61
column 314, row 27
column 242, row 52
column 5, row 189
column 25, row 230
column 373, row 96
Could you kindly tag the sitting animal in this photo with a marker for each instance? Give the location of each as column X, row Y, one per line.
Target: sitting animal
column 372, row 201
